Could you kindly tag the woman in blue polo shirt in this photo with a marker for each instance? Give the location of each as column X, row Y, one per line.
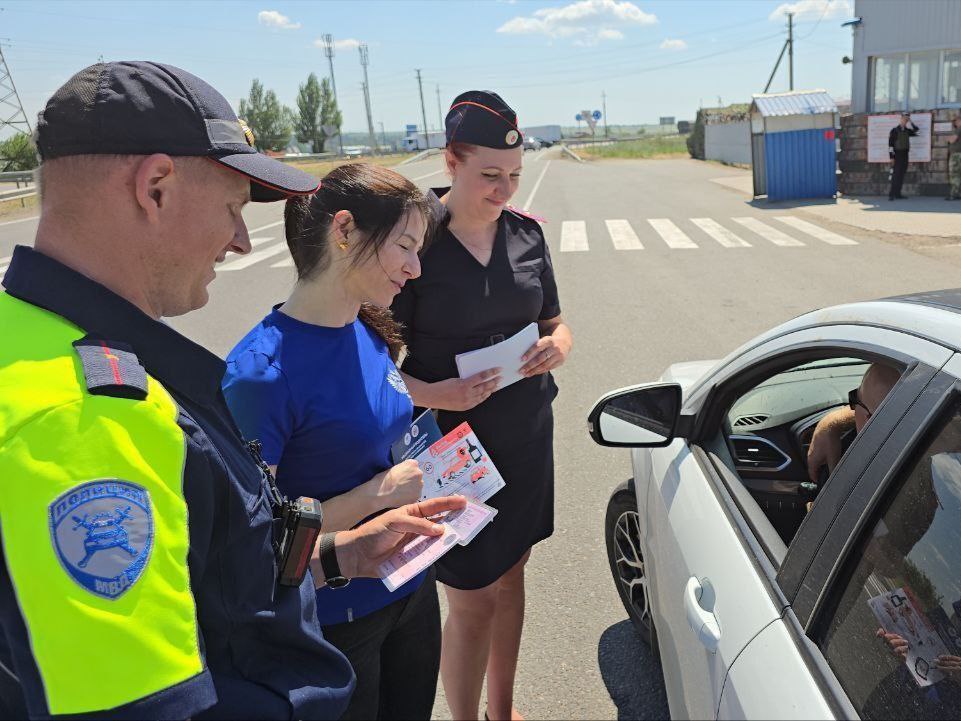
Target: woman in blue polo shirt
column 315, row 382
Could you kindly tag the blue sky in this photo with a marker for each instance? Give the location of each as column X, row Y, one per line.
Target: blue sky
column 548, row 59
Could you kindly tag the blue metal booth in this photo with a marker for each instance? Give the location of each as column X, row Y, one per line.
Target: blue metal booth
column 793, row 145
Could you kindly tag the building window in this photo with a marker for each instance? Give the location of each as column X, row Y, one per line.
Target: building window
column 889, row 83
column 923, row 80
column 951, row 79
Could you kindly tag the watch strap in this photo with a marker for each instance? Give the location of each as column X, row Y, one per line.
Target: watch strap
column 328, row 561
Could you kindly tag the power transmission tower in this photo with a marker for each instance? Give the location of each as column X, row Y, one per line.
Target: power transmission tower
column 12, row 114
column 440, row 115
column 364, row 60
column 423, row 111
column 329, row 52
column 604, row 110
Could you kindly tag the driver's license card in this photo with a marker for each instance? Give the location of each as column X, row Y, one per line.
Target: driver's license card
column 470, row 520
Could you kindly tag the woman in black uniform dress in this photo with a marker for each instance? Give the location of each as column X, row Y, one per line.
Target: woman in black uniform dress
column 486, row 275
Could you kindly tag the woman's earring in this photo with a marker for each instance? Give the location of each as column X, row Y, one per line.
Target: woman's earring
column 343, row 245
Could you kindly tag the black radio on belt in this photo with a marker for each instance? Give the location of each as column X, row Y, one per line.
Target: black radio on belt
column 296, row 526
column 300, row 522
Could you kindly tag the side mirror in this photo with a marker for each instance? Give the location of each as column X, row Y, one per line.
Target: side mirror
column 639, row 417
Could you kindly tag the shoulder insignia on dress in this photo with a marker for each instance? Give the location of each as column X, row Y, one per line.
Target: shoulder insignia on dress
column 524, row 214
column 111, row 368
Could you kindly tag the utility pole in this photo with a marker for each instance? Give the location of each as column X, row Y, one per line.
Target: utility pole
column 329, row 52
column 423, row 112
column 440, row 115
column 364, row 60
column 383, row 135
column 790, row 50
column 604, row 110
column 12, row 114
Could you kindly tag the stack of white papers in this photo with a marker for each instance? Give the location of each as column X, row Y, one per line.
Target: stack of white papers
column 505, row 355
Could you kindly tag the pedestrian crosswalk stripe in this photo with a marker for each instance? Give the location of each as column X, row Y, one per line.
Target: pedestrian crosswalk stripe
column 623, row 235
column 255, row 242
column 672, row 235
column 721, row 234
column 573, row 236
column 245, row 261
column 285, row 263
column 4, row 264
column 815, row 230
column 767, row 232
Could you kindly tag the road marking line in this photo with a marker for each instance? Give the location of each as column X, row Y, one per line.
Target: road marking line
column 264, row 227
column 573, row 236
column 530, row 198
column 721, row 234
column 623, row 235
column 815, row 230
column 421, row 177
column 22, row 220
column 245, row 261
column 285, row 263
column 671, row 234
column 767, row 232
column 255, row 242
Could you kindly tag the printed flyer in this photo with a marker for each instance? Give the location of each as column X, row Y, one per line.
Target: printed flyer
column 455, row 464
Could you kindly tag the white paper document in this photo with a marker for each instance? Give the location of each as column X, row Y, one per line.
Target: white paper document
column 505, row 355
column 899, row 612
column 460, row 528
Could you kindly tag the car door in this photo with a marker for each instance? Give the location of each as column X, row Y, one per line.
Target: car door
column 707, row 572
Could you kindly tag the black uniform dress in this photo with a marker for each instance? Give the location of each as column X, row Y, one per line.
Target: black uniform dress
column 458, row 305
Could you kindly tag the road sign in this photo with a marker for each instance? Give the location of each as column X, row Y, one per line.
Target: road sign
column 588, row 117
column 578, row 117
column 596, row 115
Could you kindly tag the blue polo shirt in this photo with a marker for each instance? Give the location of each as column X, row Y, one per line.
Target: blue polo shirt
column 326, row 403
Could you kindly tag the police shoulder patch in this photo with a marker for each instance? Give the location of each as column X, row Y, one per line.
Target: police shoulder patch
column 102, row 532
column 524, row 214
column 111, row 368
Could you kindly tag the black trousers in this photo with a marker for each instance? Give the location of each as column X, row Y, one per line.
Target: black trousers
column 395, row 653
column 900, row 168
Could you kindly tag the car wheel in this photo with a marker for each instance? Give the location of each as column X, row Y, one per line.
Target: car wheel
column 622, row 531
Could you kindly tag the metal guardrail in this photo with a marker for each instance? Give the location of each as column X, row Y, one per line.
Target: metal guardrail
column 305, row 156
column 17, row 176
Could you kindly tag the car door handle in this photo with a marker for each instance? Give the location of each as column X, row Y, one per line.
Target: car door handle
column 702, row 622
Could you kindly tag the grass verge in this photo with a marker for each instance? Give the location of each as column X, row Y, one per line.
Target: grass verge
column 671, row 146
column 18, row 208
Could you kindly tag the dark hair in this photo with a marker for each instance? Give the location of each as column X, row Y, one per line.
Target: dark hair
column 378, row 199
column 461, row 150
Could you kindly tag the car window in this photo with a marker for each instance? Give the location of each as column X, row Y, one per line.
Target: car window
column 891, row 631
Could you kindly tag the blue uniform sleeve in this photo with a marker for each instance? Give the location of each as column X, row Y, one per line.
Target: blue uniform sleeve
column 260, row 401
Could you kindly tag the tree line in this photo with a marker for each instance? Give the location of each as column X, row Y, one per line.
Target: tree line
column 273, row 123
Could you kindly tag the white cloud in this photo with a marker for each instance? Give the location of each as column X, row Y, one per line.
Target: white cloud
column 669, row 44
column 813, row 9
column 273, row 19
column 586, row 21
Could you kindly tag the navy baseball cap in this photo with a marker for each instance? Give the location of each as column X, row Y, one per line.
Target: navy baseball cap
column 480, row 117
column 139, row 108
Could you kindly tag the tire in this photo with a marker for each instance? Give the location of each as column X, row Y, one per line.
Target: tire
column 622, row 532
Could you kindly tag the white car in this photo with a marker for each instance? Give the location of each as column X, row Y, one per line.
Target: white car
column 758, row 607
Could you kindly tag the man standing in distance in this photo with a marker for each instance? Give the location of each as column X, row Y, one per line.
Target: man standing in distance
column 137, row 529
column 899, row 144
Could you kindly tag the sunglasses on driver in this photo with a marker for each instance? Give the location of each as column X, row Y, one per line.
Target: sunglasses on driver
column 854, row 401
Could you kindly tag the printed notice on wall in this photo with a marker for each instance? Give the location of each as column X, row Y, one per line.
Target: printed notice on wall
column 879, row 127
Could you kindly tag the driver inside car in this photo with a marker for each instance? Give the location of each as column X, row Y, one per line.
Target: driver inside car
column 827, row 445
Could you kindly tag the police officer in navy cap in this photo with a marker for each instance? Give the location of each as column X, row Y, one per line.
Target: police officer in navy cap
column 142, row 563
column 487, row 275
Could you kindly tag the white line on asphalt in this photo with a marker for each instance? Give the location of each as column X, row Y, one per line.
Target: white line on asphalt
column 767, row 232
column 721, row 234
column 251, row 231
column 421, row 177
column 623, row 235
column 257, row 242
column 530, row 198
column 815, row 230
column 245, row 261
column 285, row 263
column 672, row 235
column 22, row 220
column 573, row 236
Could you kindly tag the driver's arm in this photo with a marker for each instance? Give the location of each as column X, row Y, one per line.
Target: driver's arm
column 826, row 447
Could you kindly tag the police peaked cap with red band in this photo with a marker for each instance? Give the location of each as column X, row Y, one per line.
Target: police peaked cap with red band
column 480, row 117
column 140, row 108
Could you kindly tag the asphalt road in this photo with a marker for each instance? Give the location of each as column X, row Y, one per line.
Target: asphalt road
column 633, row 311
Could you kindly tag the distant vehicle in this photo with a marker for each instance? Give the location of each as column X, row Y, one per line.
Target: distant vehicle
column 531, row 143
column 683, row 127
column 415, row 141
column 545, row 143
column 550, row 133
column 767, row 595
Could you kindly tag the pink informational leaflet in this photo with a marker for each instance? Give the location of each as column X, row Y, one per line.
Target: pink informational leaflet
column 899, row 612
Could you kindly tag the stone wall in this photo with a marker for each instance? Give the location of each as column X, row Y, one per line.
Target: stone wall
column 859, row 177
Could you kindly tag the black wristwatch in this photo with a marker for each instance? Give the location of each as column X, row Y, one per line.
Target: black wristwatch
column 328, row 562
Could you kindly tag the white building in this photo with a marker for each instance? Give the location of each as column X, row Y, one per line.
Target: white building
column 907, row 55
